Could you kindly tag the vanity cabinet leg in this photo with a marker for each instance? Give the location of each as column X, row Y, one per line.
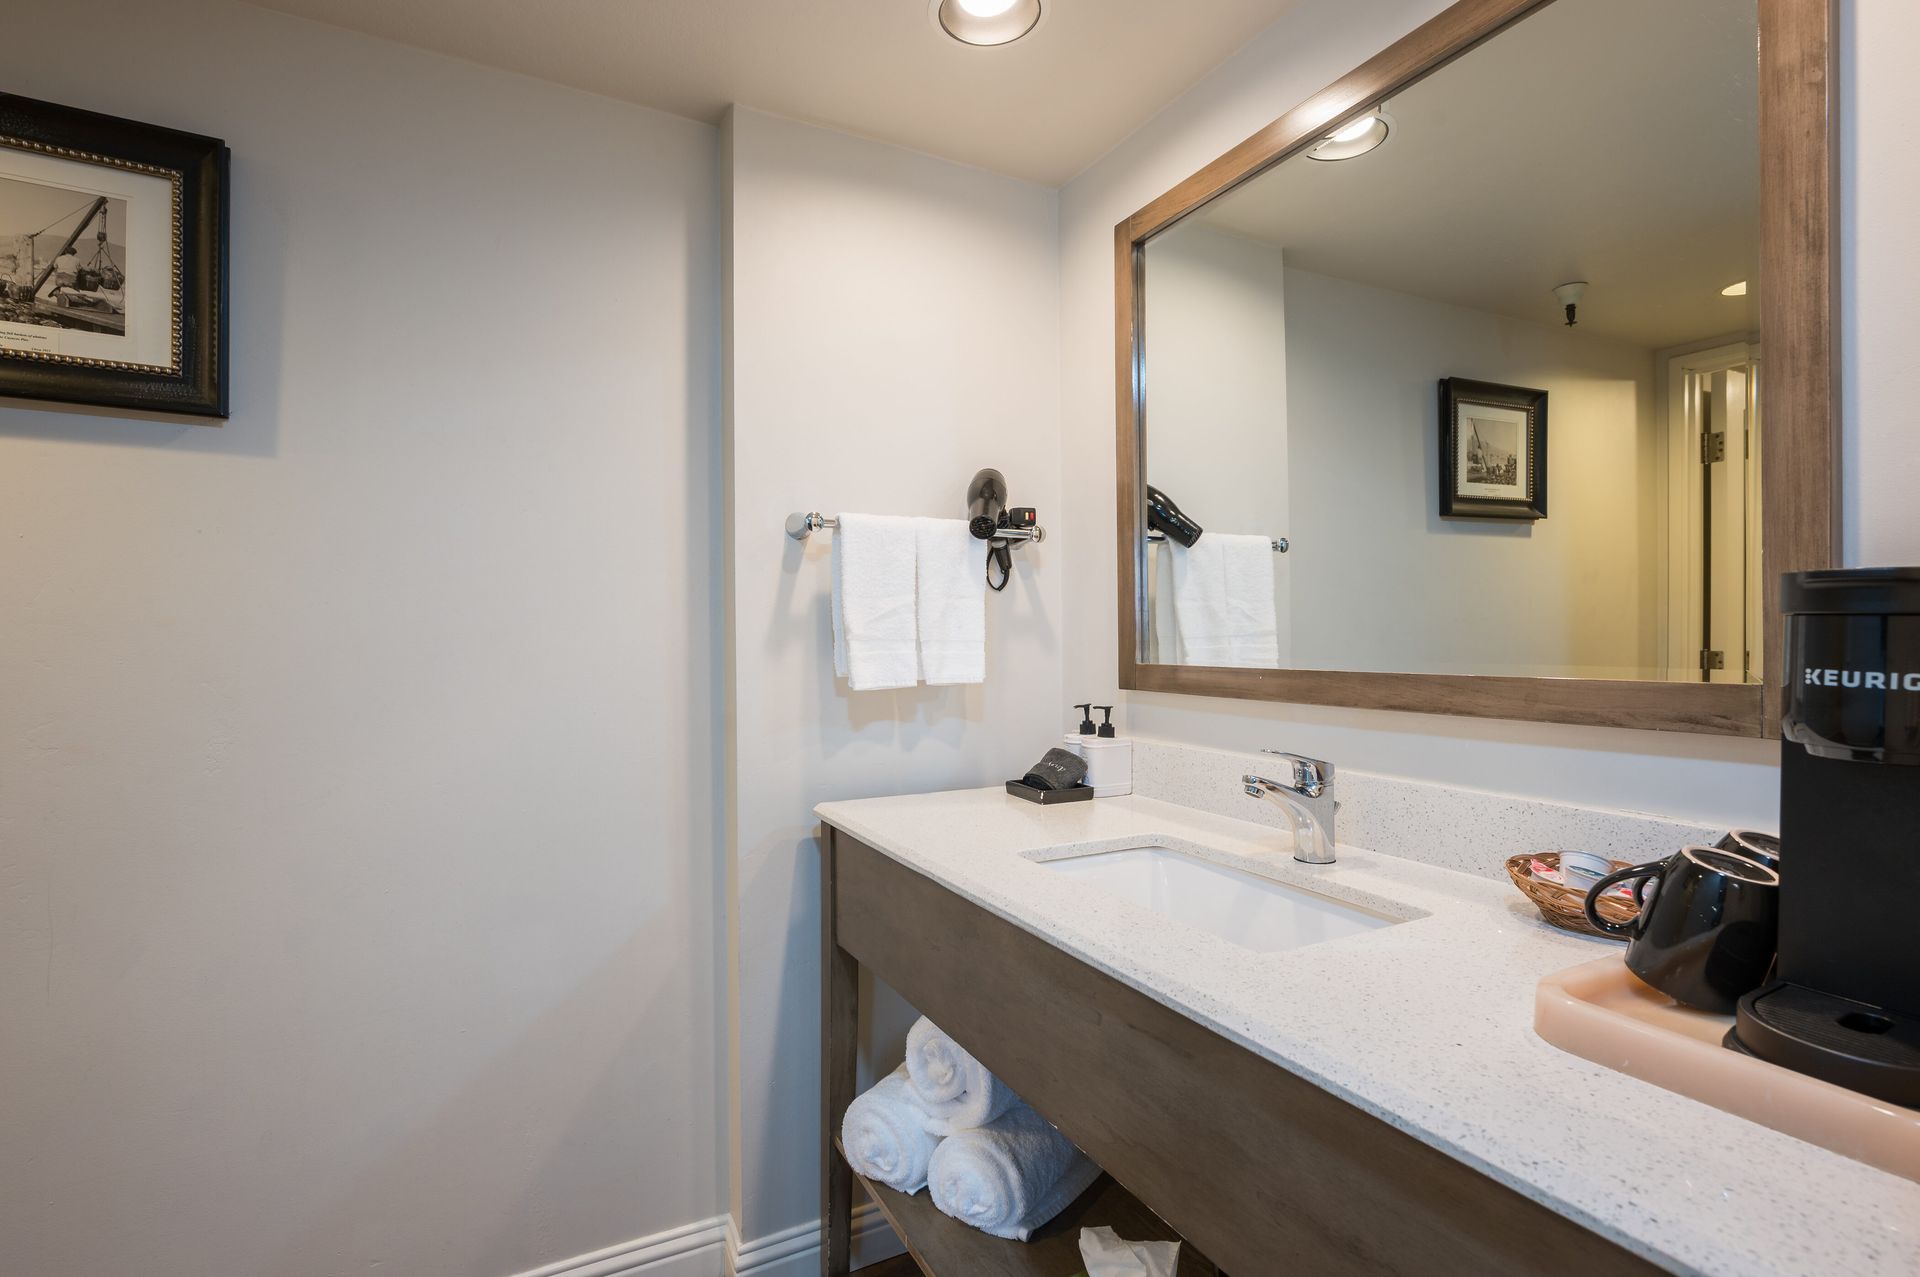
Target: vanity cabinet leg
column 839, row 1041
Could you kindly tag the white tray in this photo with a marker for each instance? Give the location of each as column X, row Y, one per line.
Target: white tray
column 1602, row 1012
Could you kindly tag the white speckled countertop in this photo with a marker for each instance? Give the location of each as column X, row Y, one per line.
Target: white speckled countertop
column 1427, row 1024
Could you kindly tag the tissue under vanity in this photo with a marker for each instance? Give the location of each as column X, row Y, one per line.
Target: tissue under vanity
column 1107, row 1254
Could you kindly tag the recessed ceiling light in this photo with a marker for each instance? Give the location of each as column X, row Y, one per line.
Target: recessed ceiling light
column 1356, row 137
column 986, row 22
column 1735, row 290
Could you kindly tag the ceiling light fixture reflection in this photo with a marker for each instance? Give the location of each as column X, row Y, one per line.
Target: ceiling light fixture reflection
column 986, row 22
column 1569, row 295
column 1355, row 137
column 1735, row 290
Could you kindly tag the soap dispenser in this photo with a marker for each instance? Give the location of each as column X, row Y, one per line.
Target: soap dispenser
column 1074, row 740
column 1109, row 757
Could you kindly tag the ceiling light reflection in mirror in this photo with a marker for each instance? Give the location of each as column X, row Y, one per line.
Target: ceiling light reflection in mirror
column 1354, row 138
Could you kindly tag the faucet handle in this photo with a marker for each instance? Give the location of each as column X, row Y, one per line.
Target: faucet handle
column 1311, row 776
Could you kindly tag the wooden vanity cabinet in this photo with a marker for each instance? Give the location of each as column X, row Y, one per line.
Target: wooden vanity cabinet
column 1257, row 1168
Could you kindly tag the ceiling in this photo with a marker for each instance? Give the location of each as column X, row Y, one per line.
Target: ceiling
column 1043, row 108
column 1615, row 141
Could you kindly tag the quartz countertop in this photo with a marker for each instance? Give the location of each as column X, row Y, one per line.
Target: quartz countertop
column 1427, row 1024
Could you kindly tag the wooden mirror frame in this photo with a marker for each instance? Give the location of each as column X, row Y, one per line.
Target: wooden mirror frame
column 1799, row 476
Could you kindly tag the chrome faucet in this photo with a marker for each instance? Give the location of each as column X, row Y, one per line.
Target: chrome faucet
column 1306, row 796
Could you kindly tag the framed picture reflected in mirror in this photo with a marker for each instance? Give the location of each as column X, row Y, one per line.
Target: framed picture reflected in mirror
column 1493, row 451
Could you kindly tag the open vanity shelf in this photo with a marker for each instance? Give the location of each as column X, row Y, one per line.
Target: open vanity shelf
column 944, row 1247
column 1242, row 1158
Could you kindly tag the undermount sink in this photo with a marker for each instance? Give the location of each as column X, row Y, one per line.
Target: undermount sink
column 1245, row 909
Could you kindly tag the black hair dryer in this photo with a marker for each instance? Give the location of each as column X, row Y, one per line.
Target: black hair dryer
column 1166, row 518
column 990, row 519
column 986, row 502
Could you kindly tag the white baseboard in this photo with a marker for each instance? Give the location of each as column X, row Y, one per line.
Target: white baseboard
column 712, row 1247
column 795, row 1252
column 698, row 1249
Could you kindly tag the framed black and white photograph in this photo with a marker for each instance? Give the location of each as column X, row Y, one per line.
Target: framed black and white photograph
column 1493, row 451
column 113, row 261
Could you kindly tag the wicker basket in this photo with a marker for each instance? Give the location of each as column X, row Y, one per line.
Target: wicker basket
column 1564, row 906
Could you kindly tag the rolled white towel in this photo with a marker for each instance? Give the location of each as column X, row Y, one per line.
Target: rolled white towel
column 885, row 1134
column 1009, row 1177
column 956, row 1089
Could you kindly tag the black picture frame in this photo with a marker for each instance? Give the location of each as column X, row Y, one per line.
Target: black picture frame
column 1466, row 493
column 195, row 380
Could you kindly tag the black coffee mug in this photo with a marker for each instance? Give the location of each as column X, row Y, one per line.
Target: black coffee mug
column 1708, row 935
column 1752, row 844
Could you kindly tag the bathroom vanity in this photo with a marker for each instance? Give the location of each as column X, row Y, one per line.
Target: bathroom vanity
column 1351, row 1085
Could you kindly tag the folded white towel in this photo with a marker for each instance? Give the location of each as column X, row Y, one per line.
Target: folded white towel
column 952, row 594
column 1223, row 601
column 1009, row 1177
column 875, row 638
column 955, row 1089
column 885, row 1134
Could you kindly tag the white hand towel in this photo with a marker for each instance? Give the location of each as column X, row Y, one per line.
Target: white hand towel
column 1009, row 1177
column 1107, row 1254
column 955, row 1089
column 1164, row 640
column 952, row 589
column 875, row 638
column 885, row 1134
column 1223, row 601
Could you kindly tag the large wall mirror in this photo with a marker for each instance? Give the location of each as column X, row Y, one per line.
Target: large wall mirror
column 1496, row 378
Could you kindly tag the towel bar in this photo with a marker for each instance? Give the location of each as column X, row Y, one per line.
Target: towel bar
column 801, row 526
column 1279, row 543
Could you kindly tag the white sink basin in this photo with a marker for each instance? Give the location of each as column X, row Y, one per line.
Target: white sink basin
column 1242, row 908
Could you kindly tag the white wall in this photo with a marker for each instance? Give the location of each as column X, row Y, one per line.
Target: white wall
column 356, row 908
column 1217, row 406
column 893, row 327
column 1568, row 595
column 1705, row 778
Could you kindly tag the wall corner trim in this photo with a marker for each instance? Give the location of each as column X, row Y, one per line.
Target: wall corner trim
column 795, row 1251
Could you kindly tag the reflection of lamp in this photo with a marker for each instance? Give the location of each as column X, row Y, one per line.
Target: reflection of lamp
column 1569, row 295
column 1356, row 137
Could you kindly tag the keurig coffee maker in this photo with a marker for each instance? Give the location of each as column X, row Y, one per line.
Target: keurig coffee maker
column 1844, row 1004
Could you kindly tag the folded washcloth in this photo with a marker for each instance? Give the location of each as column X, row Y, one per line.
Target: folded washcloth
column 1009, row 1177
column 875, row 636
column 1223, row 601
column 951, row 590
column 955, row 1089
column 885, row 1134
column 1057, row 769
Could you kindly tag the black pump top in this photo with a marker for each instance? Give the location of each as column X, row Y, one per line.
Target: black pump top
column 1106, row 727
column 1086, row 717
